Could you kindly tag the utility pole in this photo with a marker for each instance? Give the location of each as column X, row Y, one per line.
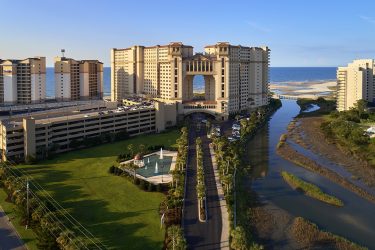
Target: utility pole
column 235, row 201
column 27, row 201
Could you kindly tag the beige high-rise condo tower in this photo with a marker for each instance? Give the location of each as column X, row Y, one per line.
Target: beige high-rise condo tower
column 355, row 82
column 78, row 80
column 23, row 81
column 236, row 77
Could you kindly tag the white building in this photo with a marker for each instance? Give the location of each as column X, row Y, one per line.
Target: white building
column 355, row 82
column 236, row 77
column 23, row 81
column 78, row 80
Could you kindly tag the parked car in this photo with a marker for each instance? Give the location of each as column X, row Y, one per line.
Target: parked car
column 236, row 126
column 236, row 133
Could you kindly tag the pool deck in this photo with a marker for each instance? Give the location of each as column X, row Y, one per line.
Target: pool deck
column 165, row 178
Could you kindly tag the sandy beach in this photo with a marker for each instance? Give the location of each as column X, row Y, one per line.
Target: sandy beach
column 304, row 89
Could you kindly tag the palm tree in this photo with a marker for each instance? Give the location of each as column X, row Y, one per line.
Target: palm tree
column 175, row 175
column 141, row 148
column 178, row 241
column 65, row 240
column 227, row 181
column 201, row 193
column 133, row 167
column 131, row 149
column 38, row 213
column 239, row 241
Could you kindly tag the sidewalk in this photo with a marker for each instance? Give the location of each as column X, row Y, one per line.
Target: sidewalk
column 9, row 237
column 223, row 205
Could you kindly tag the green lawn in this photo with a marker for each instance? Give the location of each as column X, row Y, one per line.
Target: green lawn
column 117, row 212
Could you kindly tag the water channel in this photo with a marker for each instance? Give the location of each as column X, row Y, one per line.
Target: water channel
column 354, row 221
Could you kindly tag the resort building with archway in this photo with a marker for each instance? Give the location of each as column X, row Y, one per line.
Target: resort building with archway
column 235, row 77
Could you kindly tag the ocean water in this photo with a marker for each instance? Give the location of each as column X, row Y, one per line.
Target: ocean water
column 301, row 74
column 277, row 75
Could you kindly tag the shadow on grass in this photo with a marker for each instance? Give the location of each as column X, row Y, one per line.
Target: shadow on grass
column 115, row 148
column 107, row 226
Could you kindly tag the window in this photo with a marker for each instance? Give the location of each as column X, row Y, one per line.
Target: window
column 222, row 62
column 222, row 94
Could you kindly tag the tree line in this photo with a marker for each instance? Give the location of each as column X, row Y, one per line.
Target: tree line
column 52, row 226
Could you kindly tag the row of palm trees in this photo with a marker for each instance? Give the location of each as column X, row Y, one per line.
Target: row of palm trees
column 37, row 214
column 201, row 186
column 228, row 158
column 174, row 201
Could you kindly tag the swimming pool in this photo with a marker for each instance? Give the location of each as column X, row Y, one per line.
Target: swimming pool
column 150, row 162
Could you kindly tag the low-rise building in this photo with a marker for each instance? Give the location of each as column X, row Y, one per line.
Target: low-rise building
column 36, row 135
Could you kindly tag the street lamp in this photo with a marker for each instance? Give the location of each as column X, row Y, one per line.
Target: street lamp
column 27, row 202
column 235, row 201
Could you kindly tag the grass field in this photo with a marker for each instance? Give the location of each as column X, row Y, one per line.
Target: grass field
column 116, row 211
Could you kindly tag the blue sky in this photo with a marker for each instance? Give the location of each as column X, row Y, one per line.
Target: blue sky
column 299, row 33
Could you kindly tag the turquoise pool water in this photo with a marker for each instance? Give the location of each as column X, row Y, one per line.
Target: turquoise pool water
column 149, row 169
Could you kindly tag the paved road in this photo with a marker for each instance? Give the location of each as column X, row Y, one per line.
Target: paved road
column 9, row 238
column 201, row 235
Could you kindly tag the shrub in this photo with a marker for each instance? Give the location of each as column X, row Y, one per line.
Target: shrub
column 136, row 181
column 159, row 188
column 150, row 187
column 30, row 159
column 142, row 184
column 111, row 169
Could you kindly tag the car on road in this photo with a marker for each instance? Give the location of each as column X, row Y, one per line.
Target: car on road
column 236, row 126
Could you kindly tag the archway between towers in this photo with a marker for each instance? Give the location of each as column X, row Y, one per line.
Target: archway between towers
column 201, row 88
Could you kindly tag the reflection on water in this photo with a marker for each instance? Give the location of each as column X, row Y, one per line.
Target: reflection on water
column 354, row 221
column 260, row 163
column 312, row 108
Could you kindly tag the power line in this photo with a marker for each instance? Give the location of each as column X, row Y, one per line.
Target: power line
column 57, row 222
column 58, row 208
column 77, row 225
